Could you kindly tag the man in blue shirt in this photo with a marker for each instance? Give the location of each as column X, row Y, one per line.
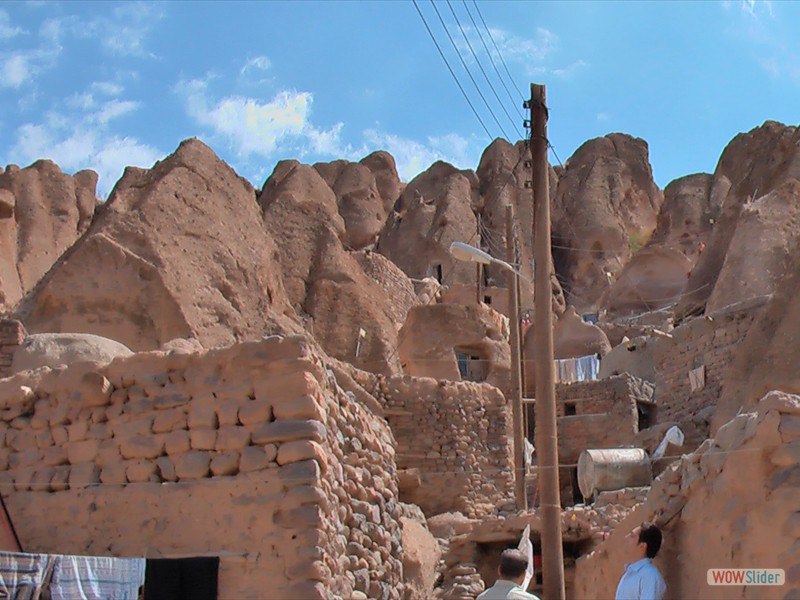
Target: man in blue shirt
column 641, row 580
column 513, row 564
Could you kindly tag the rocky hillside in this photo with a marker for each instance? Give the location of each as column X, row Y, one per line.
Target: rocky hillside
column 188, row 249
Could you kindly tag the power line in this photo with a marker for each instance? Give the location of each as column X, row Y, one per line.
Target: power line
column 491, row 59
column 491, row 37
column 466, row 68
column 480, row 66
column 449, row 68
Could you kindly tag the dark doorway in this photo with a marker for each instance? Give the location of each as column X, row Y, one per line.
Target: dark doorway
column 181, row 578
column 645, row 413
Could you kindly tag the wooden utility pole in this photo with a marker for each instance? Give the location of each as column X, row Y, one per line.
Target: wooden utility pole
column 479, row 270
column 516, row 369
column 546, row 425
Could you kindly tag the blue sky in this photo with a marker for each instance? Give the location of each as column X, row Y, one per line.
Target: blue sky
column 102, row 85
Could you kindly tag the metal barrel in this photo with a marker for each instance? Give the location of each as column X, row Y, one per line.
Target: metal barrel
column 613, row 469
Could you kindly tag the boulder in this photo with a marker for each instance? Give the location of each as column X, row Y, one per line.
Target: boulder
column 653, row 279
column 434, row 210
column 605, row 209
column 42, row 212
column 178, row 251
column 685, row 219
column 767, row 358
column 759, row 253
column 502, row 175
column 421, row 554
column 433, row 337
column 752, row 165
column 353, row 315
column 362, row 203
column 53, row 349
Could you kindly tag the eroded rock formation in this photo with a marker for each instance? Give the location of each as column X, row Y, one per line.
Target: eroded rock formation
column 325, row 283
column 177, row 251
column 42, row 212
column 435, row 209
column 653, row 279
column 752, row 165
column 605, row 209
column 760, row 252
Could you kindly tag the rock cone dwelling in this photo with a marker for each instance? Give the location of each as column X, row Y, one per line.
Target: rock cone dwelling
column 299, row 385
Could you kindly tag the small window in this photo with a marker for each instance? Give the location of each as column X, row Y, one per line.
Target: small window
column 487, row 299
column 569, row 409
column 439, row 273
column 471, row 367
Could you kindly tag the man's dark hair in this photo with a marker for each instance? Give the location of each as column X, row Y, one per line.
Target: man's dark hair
column 650, row 535
column 512, row 563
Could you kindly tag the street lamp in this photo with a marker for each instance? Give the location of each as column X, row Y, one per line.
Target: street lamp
column 465, row 252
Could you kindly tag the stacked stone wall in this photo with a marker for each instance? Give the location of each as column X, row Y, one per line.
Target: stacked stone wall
column 12, row 334
column 456, row 436
column 708, row 342
column 251, row 453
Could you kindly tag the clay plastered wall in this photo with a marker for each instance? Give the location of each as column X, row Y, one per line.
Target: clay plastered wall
column 705, row 341
column 457, row 437
column 730, row 504
column 251, row 453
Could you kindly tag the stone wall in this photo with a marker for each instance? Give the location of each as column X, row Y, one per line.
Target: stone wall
column 12, row 334
column 709, row 342
column 251, row 453
column 453, row 441
column 730, row 504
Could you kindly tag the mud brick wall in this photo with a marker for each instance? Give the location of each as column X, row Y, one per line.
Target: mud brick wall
column 708, row 341
column 12, row 334
column 251, row 453
column 457, row 437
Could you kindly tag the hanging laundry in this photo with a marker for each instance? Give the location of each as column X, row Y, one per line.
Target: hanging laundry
column 582, row 368
column 22, row 576
column 96, row 578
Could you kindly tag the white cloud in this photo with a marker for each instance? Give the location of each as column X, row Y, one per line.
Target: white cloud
column 754, row 7
column 517, row 49
column 253, row 127
column 570, row 70
column 81, row 139
column 602, row 117
column 261, row 63
column 107, row 88
column 113, row 109
column 7, row 31
column 84, row 101
column 82, row 148
column 15, row 70
column 282, row 127
column 125, row 32
column 413, row 157
column 21, row 66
